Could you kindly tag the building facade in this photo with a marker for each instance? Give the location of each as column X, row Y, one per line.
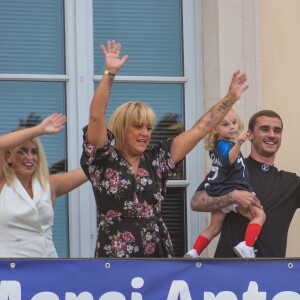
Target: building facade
column 182, row 54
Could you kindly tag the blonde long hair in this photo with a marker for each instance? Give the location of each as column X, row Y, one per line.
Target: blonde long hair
column 211, row 137
column 128, row 113
column 41, row 172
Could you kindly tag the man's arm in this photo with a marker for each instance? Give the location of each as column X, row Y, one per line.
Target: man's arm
column 244, row 200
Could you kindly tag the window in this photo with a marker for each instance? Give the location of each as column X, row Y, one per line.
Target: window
column 32, row 86
column 151, row 32
column 50, row 61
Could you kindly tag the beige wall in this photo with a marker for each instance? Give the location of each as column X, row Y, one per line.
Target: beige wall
column 262, row 38
column 231, row 40
column 280, row 45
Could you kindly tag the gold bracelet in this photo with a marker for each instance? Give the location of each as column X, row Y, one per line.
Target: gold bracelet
column 106, row 72
column 111, row 78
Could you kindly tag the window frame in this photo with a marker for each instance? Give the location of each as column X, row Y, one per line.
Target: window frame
column 80, row 86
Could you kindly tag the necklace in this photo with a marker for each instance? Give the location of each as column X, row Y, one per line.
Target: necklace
column 138, row 158
column 133, row 161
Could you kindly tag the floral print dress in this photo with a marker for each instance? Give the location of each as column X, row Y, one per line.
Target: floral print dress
column 129, row 206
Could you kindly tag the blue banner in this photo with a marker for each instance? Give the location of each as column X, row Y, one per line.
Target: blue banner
column 141, row 279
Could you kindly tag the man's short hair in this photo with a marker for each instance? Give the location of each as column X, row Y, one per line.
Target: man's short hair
column 262, row 113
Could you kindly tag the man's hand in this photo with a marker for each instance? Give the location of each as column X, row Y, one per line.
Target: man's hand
column 244, row 199
column 245, row 202
column 238, row 85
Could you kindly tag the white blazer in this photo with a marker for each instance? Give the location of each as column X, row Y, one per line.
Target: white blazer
column 26, row 223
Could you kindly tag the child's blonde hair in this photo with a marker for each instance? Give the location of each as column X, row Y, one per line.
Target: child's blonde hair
column 211, row 138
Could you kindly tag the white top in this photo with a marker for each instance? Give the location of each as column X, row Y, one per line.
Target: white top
column 26, row 223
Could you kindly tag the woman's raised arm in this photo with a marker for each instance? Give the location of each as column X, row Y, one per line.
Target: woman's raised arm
column 187, row 140
column 96, row 133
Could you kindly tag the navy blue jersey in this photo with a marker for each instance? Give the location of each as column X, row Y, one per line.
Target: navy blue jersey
column 279, row 193
column 225, row 177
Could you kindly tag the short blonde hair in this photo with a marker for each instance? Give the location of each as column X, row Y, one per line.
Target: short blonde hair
column 126, row 114
column 41, row 172
column 211, row 138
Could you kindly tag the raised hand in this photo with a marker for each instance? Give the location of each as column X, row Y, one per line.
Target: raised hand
column 238, row 85
column 50, row 125
column 111, row 52
column 242, row 138
column 54, row 123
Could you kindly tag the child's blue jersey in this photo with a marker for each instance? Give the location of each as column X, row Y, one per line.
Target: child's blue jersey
column 223, row 177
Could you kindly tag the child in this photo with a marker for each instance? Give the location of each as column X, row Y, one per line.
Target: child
column 228, row 173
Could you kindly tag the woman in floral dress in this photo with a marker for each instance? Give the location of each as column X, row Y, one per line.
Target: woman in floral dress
column 128, row 177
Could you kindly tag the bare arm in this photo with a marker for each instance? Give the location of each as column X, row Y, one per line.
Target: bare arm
column 50, row 125
column 235, row 150
column 202, row 202
column 186, row 141
column 64, row 183
column 244, row 199
column 96, row 133
column 2, row 178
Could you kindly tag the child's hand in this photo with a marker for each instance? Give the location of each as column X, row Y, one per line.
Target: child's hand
column 242, row 138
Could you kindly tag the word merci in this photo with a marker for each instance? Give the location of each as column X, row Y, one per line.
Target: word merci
column 179, row 290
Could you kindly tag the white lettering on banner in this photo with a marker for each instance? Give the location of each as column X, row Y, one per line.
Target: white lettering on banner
column 287, row 295
column 226, row 295
column 253, row 292
column 81, row 296
column 179, row 290
column 10, row 290
column 45, row 295
column 137, row 283
column 112, row 295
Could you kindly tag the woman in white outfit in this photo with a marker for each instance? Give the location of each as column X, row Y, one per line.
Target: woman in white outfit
column 28, row 192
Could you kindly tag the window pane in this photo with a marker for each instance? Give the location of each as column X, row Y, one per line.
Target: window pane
column 32, row 37
column 165, row 99
column 25, row 104
column 150, row 32
column 174, row 213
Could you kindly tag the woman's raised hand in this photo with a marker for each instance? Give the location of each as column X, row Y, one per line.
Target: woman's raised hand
column 111, row 52
column 54, row 123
